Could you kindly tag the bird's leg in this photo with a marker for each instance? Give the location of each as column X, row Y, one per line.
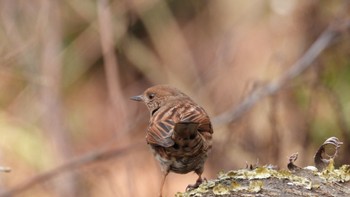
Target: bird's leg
column 199, row 181
column 162, row 182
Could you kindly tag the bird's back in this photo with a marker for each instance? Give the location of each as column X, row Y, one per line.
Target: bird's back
column 180, row 133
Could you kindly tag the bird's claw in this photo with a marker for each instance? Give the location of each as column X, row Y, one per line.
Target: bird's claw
column 196, row 185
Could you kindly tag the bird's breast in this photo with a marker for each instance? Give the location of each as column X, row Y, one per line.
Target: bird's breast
column 182, row 159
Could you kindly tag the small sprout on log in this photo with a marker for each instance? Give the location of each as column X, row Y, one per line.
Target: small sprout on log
column 252, row 166
column 291, row 166
column 322, row 158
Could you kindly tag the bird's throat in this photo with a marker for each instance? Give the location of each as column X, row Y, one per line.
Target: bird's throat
column 154, row 111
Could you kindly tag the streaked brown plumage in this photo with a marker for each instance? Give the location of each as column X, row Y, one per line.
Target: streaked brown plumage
column 179, row 131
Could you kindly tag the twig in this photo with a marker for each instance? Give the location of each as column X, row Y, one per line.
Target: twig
column 96, row 156
column 321, row 43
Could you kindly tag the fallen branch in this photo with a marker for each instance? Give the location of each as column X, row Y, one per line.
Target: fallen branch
column 269, row 181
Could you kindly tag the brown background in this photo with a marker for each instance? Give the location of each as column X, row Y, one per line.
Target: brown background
column 69, row 67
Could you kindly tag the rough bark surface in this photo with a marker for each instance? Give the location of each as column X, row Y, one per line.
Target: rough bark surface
column 265, row 181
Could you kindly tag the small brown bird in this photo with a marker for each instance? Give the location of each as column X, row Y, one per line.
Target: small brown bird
column 179, row 131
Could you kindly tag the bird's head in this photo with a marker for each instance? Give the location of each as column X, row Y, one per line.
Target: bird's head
column 157, row 96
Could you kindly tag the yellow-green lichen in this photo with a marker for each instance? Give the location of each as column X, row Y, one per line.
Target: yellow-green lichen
column 255, row 186
column 235, row 186
column 221, row 189
column 253, row 180
column 336, row 175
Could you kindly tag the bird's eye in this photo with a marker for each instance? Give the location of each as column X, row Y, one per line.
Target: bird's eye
column 151, row 96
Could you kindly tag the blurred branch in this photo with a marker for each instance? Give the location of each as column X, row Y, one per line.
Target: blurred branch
column 119, row 112
column 5, row 169
column 98, row 155
column 111, row 64
column 334, row 30
column 163, row 30
column 51, row 96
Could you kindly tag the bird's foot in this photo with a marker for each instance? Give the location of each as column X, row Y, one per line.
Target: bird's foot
column 194, row 186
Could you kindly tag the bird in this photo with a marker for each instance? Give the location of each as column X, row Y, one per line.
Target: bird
column 179, row 132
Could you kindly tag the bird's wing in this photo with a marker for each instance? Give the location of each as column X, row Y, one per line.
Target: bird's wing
column 186, row 123
column 194, row 115
column 160, row 133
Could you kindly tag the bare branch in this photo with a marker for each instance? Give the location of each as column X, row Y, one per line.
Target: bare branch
column 98, row 155
column 301, row 65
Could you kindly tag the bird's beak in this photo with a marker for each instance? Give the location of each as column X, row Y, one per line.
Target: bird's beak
column 137, row 98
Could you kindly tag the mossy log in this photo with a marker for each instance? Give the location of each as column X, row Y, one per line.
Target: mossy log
column 266, row 181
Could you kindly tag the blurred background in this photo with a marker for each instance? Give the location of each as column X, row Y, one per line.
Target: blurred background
column 68, row 69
